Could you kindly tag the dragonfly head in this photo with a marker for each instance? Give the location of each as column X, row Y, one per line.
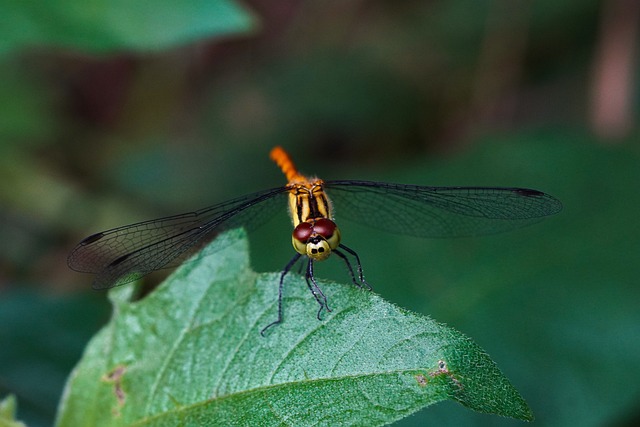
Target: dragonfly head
column 316, row 238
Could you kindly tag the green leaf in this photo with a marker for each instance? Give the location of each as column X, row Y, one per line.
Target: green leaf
column 8, row 412
column 110, row 25
column 191, row 353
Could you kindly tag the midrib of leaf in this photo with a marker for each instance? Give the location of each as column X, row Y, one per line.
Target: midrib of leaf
column 221, row 398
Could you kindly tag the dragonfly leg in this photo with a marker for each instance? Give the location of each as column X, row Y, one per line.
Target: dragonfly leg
column 287, row 268
column 359, row 264
column 349, row 267
column 300, row 269
column 315, row 289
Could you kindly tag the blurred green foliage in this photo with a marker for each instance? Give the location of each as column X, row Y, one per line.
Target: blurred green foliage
column 8, row 412
column 110, row 121
column 117, row 25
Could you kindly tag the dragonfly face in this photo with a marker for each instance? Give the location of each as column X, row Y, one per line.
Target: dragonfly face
column 124, row 254
column 316, row 238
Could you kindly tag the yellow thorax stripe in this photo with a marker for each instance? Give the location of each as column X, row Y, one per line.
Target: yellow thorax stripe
column 308, row 201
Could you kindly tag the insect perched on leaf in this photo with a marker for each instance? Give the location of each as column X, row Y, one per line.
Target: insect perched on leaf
column 126, row 253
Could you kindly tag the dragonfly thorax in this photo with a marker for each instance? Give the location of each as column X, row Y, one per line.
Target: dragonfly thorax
column 316, row 238
column 308, row 201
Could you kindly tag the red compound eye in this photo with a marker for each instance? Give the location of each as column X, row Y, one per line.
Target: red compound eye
column 302, row 232
column 324, row 227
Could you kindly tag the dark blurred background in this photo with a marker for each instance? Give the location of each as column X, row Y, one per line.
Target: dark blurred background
column 114, row 112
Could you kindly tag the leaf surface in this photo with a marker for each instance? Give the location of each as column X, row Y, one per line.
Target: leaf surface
column 191, row 353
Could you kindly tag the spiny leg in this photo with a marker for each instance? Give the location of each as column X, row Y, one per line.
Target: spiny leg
column 349, row 267
column 290, row 264
column 355, row 255
column 317, row 292
column 315, row 289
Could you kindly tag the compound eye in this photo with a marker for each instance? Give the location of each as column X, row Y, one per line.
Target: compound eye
column 324, row 227
column 303, row 232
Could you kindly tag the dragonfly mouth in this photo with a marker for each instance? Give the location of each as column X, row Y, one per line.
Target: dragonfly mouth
column 317, row 248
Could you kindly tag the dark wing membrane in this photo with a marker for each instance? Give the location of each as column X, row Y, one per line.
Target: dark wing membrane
column 438, row 211
column 126, row 253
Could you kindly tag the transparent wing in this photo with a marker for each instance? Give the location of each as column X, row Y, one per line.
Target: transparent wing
column 126, row 253
column 438, row 211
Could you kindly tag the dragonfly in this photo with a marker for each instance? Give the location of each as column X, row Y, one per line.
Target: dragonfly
column 125, row 254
